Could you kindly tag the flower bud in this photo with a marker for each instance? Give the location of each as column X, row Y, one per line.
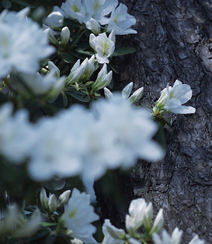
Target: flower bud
column 108, row 93
column 43, row 198
column 95, row 27
column 103, row 79
column 158, row 223
column 114, row 232
column 127, row 90
column 53, row 203
column 52, row 38
column 63, row 198
column 136, row 96
column 65, row 35
column 148, row 212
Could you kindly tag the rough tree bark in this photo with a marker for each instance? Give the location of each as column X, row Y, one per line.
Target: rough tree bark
column 173, row 42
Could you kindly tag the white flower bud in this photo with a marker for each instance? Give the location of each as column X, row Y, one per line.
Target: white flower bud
column 103, row 79
column 196, row 240
column 43, row 198
column 53, row 203
column 65, row 35
column 158, row 223
column 63, row 198
column 136, row 96
column 108, row 93
column 148, row 212
column 95, row 27
column 113, row 231
column 52, row 38
column 127, row 90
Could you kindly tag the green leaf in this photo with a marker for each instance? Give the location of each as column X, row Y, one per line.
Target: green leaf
column 67, row 58
column 70, row 22
column 77, row 38
column 113, row 67
column 123, row 51
column 23, row 3
column 160, row 137
column 88, row 53
column 65, row 99
column 82, row 97
column 6, row 4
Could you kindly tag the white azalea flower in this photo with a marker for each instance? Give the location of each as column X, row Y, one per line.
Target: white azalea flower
column 56, row 17
column 104, row 46
column 132, row 129
column 167, row 239
column 74, row 9
column 103, row 79
column 98, row 9
column 172, row 98
column 120, row 21
column 15, row 143
column 112, row 234
column 50, row 84
column 135, row 97
column 79, row 215
column 21, row 52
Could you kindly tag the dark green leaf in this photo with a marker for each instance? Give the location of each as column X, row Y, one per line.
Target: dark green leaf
column 77, row 38
column 65, row 99
column 46, row 224
column 82, row 97
column 123, row 51
column 72, row 23
column 6, row 4
column 113, row 67
column 23, row 3
column 88, row 53
column 67, row 58
column 160, row 137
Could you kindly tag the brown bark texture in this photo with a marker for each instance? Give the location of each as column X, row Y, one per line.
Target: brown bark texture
column 173, row 42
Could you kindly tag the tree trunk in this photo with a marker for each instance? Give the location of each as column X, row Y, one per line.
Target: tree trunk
column 173, row 42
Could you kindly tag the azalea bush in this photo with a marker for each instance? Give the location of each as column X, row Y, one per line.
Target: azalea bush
column 62, row 127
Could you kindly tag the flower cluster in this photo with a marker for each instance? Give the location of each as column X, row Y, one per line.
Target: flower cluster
column 112, row 134
column 94, row 14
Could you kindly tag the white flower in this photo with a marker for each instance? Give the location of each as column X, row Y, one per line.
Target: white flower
column 136, row 217
column 112, row 234
column 135, row 97
column 120, row 21
column 74, row 9
column 94, row 26
column 167, row 239
column 196, row 240
column 98, row 9
column 172, row 98
column 17, row 225
column 132, row 130
column 65, row 35
column 49, row 85
column 79, row 215
column 148, row 213
column 21, row 52
column 15, row 144
column 103, row 79
column 104, row 46
column 55, row 18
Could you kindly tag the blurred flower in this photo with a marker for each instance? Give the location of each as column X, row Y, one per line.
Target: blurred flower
column 21, row 52
column 167, row 239
column 79, row 215
column 17, row 225
column 120, row 21
column 112, row 234
column 55, row 18
column 15, row 143
column 74, row 9
column 104, row 46
column 172, row 98
column 103, row 79
column 135, row 97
